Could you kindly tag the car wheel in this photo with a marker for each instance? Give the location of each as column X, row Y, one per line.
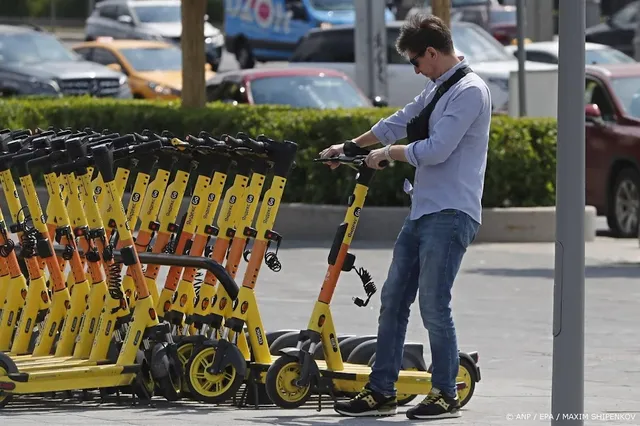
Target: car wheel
column 624, row 206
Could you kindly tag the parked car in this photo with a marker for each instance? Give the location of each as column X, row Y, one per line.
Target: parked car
column 269, row 30
column 154, row 68
column 296, row 87
column 618, row 30
column 548, row 53
column 334, row 48
column 499, row 20
column 612, row 95
column 148, row 20
column 36, row 63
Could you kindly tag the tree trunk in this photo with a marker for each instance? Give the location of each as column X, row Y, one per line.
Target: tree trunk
column 193, row 60
column 442, row 9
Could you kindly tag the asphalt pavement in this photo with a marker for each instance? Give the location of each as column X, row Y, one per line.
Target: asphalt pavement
column 502, row 307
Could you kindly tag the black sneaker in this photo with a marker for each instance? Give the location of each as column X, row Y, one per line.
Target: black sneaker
column 368, row 403
column 435, row 406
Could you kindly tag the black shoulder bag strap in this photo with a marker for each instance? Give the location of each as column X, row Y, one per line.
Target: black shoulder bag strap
column 418, row 127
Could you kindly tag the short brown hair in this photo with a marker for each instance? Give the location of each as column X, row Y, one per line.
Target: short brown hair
column 421, row 31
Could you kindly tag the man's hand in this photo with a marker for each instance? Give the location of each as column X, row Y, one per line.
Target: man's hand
column 375, row 157
column 333, row 151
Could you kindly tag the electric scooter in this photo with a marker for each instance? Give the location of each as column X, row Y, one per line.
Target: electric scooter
column 143, row 329
column 217, row 367
column 298, row 373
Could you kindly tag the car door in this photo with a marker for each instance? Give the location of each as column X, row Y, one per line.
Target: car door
column 600, row 138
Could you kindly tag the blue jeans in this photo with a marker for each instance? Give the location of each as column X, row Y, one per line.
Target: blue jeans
column 426, row 257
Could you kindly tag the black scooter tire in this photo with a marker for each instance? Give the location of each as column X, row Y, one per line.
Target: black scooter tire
column 235, row 365
column 287, row 340
column 7, row 366
column 275, row 382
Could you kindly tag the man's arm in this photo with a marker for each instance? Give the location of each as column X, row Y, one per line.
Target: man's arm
column 447, row 132
column 393, row 128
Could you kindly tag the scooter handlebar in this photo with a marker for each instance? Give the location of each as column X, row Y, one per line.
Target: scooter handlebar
column 357, row 160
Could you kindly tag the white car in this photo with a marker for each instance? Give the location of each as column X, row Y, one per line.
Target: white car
column 595, row 53
column 334, row 48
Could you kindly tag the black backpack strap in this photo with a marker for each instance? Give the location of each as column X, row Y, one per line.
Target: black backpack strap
column 418, row 127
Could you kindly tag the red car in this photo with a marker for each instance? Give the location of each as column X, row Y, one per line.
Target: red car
column 612, row 95
column 297, row 87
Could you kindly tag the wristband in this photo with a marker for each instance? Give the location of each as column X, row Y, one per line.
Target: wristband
column 387, row 155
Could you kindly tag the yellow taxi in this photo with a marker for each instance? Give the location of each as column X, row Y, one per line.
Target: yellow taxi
column 154, row 67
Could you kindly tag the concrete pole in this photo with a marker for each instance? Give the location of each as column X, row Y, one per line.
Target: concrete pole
column 521, row 22
column 370, row 37
column 567, row 392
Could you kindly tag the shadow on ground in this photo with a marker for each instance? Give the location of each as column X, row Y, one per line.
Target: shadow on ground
column 609, row 270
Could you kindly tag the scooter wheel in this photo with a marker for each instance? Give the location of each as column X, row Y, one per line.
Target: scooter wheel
column 6, row 366
column 143, row 385
column 280, row 383
column 166, row 371
column 215, row 388
column 466, row 374
column 184, row 351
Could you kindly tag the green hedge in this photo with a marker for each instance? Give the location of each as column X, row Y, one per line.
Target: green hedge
column 520, row 169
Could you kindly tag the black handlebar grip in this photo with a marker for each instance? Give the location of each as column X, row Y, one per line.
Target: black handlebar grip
column 351, row 149
column 18, row 134
column 147, row 147
column 194, row 140
column 47, row 160
column 123, row 141
column 231, row 141
column 255, row 146
column 103, row 159
column 24, row 157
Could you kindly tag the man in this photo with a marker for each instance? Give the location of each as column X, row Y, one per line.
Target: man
column 448, row 147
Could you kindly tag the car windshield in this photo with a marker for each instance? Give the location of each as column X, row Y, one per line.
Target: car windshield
column 150, row 14
column 34, row 47
column 627, row 90
column 606, row 56
column 332, row 4
column 307, row 92
column 154, row 58
column 478, row 45
column 502, row 16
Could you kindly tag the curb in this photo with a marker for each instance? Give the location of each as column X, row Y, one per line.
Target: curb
column 312, row 222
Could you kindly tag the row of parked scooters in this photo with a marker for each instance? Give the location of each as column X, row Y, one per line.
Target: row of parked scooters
column 110, row 326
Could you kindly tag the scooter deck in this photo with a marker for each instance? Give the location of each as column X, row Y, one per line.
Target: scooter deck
column 60, row 363
column 74, row 378
column 354, row 376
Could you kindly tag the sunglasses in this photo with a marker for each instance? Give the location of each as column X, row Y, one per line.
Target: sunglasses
column 414, row 60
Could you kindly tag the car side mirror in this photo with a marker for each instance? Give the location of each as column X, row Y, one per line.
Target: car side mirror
column 115, row 67
column 125, row 19
column 379, row 102
column 592, row 112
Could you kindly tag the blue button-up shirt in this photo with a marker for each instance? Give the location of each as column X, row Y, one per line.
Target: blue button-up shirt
column 450, row 164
